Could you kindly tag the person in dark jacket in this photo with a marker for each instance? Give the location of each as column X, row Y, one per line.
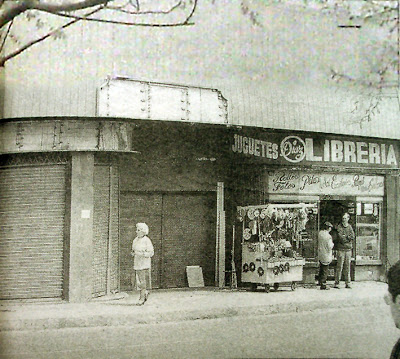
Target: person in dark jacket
column 344, row 246
column 392, row 298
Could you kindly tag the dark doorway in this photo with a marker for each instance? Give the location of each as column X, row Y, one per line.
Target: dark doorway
column 332, row 210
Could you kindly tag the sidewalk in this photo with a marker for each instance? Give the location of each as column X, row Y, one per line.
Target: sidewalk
column 183, row 304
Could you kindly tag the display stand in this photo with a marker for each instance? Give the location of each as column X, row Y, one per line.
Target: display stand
column 270, row 235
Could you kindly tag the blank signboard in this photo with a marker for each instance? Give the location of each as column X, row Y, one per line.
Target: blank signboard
column 195, row 276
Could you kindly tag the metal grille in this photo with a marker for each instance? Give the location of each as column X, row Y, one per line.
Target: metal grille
column 182, row 230
column 140, row 207
column 34, row 159
column 114, row 231
column 106, row 230
column 188, row 237
column 32, row 212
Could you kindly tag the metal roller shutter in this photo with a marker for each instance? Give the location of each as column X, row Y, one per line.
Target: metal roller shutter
column 182, row 230
column 135, row 208
column 106, row 230
column 188, row 230
column 32, row 213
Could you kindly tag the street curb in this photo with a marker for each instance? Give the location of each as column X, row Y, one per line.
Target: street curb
column 14, row 324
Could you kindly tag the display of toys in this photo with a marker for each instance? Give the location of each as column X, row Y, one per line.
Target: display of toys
column 271, row 237
column 272, row 222
column 274, row 229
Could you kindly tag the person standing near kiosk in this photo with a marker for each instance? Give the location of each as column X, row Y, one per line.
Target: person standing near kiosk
column 325, row 245
column 344, row 246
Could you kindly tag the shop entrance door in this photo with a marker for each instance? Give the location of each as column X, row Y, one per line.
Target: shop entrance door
column 331, row 210
column 182, row 230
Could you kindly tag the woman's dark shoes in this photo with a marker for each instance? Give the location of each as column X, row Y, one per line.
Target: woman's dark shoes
column 144, row 299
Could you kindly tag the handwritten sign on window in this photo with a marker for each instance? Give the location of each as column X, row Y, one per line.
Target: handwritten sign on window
column 325, row 183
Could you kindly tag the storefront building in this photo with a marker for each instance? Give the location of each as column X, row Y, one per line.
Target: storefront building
column 72, row 190
column 332, row 174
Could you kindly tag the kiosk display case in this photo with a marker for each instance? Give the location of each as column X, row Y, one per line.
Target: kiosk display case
column 271, row 236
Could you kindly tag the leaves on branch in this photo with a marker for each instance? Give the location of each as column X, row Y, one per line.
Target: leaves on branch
column 253, row 15
column 58, row 34
column 131, row 13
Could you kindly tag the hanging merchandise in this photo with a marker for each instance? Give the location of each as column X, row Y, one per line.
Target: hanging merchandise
column 271, row 237
column 246, row 234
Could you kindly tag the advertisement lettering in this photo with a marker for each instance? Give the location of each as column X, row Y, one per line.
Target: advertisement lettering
column 295, row 182
column 294, row 149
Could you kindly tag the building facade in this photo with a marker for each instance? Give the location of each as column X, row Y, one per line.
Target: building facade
column 82, row 163
column 72, row 191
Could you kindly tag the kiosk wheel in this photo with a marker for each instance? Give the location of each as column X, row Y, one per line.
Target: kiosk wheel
column 293, row 286
column 276, row 286
column 267, row 288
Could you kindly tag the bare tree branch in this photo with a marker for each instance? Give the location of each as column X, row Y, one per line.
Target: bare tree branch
column 15, row 53
column 66, row 7
column 11, row 9
column 150, row 12
column 127, row 23
column 184, row 22
column 5, row 36
column 12, row 12
column 86, row 17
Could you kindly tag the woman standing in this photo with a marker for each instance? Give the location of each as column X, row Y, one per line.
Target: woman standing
column 142, row 251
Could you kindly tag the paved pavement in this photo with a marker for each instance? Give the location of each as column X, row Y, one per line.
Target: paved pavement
column 183, row 304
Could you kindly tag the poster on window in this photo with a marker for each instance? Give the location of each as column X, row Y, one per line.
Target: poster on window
column 297, row 182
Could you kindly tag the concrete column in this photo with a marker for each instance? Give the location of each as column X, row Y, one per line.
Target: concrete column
column 81, row 228
column 393, row 219
column 220, row 238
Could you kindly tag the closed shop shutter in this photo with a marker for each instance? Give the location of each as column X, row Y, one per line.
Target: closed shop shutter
column 106, row 230
column 137, row 208
column 182, row 229
column 189, row 225
column 32, row 213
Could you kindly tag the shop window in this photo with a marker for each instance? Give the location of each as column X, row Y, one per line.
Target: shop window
column 308, row 245
column 368, row 230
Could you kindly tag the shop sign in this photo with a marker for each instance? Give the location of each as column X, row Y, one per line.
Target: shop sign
column 296, row 182
column 295, row 149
